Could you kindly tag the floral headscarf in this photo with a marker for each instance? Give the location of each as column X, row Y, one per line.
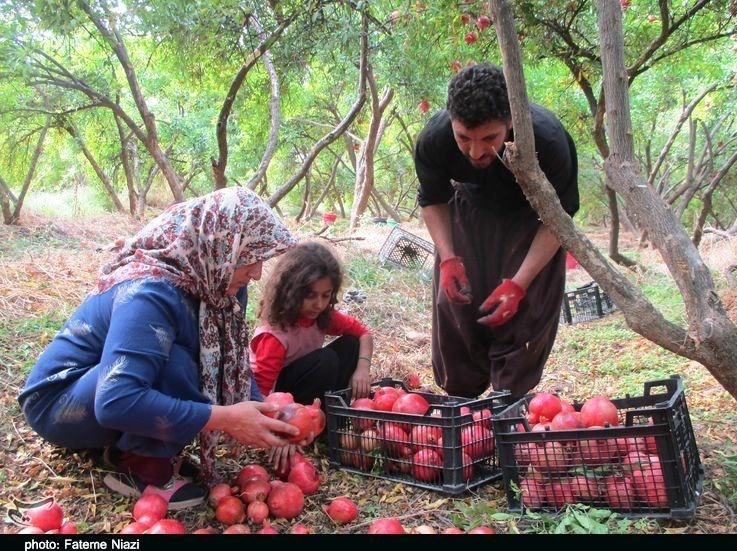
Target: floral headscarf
column 196, row 245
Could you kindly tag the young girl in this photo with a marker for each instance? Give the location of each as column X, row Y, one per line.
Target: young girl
column 297, row 312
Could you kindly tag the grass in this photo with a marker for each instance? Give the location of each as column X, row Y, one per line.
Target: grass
column 25, row 338
column 602, row 356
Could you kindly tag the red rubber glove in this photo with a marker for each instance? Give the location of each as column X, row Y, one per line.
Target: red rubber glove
column 506, row 298
column 454, row 281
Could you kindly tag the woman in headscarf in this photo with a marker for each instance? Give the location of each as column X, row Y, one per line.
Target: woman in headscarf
column 158, row 353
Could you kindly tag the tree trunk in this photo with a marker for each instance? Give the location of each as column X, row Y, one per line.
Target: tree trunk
column 336, row 133
column 74, row 133
column 711, row 338
column 151, row 139
column 31, row 171
column 220, row 164
column 6, row 196
column 365, row 165
column 127, row 156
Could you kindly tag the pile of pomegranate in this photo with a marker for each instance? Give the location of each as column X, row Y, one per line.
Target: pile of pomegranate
column 413, row 449
column 618, row 473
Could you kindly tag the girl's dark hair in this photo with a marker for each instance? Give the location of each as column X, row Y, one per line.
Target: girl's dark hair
column 478, row 94
column 290, row 281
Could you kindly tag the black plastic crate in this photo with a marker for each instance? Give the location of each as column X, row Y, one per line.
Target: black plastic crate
column 546, row 470
column 367, row 442
column 586, row 303
column 407, row 250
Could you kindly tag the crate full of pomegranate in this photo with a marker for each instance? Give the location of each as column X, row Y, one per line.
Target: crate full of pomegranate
column 634, row 455
column 433, row 441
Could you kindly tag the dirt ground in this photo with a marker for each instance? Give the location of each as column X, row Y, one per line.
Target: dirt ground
column 48, row 266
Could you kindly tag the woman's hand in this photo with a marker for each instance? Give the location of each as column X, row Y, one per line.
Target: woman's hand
column 246, row 422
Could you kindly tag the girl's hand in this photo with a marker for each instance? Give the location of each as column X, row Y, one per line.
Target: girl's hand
column 281, row 457
column 360, row 380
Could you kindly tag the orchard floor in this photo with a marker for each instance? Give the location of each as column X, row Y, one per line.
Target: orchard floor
column 47, row 266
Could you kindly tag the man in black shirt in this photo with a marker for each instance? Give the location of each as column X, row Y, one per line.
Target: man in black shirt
column 493, row 255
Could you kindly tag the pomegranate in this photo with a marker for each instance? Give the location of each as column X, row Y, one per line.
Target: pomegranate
column 395, row 439
column 423, row 436
column 567, row 420
column 298, row 416
column 560, row 493
column 471, row 37
column 427, row 465
column 208, row 530
column 315, row 413
column 150, row 505
column 341, row 510
column 482, row 23
column 384, row 398
column 349, row 440
column 68, row 527
column 477, row 441
column 545, row 406
column 650, row 485
column 550, row 457
column 481, row 530
column 300, row 529
column 267, row 529
column 532, row 493
column 452, row 530
column 370, row 440
column 306, row 476
column 285, row 500
column 249, row 472
column 237, row 529
column 31, row 530
column 585, row 488
column 482, row 417
column 48, row 516
column 596, row 451
column 467, row 464
column 255, row 490
column 619, row 492
column 218, row 492
column 257, row 512
column 135, row 528
column 230, row 510
column 599, row 411
column 167, row 526
column 411, row 403
column 413, row 379
column 280, row 399
column 360, row 424
column 386, row 526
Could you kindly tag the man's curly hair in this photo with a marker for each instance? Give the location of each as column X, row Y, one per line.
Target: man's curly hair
column 291, row 280
column 478, row 94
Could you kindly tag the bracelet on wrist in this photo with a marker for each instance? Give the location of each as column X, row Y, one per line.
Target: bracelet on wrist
column 365, row 358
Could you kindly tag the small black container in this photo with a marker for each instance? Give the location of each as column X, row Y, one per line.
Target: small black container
column 586, row 303
column 648, row 466
column 458, row 450
column 407, row 250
